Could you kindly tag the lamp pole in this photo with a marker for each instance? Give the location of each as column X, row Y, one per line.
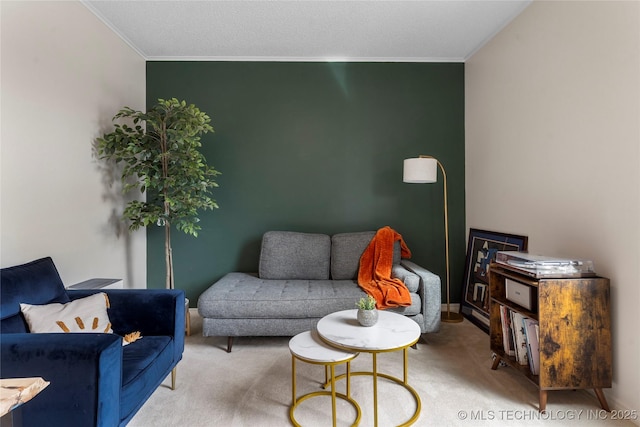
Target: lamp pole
column 447, row 316
column 422, row 170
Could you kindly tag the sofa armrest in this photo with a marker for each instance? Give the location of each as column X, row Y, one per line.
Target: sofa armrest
column 430, row 291
column 150, row 311
column 84, row 371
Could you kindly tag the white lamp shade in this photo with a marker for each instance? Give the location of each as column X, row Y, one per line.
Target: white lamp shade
column 421, row 170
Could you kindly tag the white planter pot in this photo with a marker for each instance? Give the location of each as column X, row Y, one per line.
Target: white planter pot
column 367, row 317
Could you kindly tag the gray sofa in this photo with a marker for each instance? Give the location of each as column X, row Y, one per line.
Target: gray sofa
column 303, row 277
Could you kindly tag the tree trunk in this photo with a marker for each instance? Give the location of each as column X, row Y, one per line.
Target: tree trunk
column 167, row 210
column 168, row 255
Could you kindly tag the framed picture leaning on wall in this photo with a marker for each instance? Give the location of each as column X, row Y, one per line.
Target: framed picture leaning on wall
column 481, row 250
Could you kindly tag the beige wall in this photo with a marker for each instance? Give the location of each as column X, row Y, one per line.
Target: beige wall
column 64, row 74
column 553, row 149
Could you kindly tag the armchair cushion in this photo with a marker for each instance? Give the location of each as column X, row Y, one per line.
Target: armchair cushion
column 36, row 282
column 153, row 312
column 143, row 362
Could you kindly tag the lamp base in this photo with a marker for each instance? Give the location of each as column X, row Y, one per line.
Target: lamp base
column 449, row 317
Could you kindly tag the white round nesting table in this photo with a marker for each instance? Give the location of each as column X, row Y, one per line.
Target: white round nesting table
column 309, row 348
column 392, row 332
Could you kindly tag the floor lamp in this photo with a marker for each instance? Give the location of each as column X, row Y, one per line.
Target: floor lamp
column 424, row 170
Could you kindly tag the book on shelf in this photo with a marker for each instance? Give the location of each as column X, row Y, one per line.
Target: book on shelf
column 517, row 322
column 507, row 331
column 531, row 329
column 521, row 338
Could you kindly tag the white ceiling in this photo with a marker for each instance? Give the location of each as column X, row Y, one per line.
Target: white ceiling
column 305, row 30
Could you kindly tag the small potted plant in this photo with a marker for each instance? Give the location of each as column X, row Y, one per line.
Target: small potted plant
column 367, row 313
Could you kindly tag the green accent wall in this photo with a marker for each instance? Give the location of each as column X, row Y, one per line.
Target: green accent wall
column 317, row 147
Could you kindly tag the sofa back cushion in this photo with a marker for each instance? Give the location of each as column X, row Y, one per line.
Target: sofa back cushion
column 346, row 251
column 292, row 255
column 36, row 282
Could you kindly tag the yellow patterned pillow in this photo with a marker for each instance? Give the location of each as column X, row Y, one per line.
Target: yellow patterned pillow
column 87, row 314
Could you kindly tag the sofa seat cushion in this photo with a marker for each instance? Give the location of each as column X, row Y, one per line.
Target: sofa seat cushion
column 143, row 362
column 291, row 255
column 245, row 296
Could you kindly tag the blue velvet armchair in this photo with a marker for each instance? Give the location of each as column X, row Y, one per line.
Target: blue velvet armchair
column 94, row 379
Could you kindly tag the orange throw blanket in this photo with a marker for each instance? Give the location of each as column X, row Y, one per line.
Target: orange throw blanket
column 374, row 274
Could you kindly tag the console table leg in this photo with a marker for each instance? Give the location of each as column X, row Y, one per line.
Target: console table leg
column 543, row 400
column 496, row 362
column 602, row 399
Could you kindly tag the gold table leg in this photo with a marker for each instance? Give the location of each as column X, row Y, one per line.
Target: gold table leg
column 402, row 382
column 330, row 379
column 406, row 362
column 375, row 388
column 293, row 382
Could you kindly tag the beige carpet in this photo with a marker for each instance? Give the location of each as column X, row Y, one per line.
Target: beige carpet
column 451, row 372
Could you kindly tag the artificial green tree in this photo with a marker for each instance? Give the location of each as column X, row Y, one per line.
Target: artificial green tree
column 163, row 160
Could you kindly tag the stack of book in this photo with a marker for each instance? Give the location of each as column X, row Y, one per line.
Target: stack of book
column 521, row 338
